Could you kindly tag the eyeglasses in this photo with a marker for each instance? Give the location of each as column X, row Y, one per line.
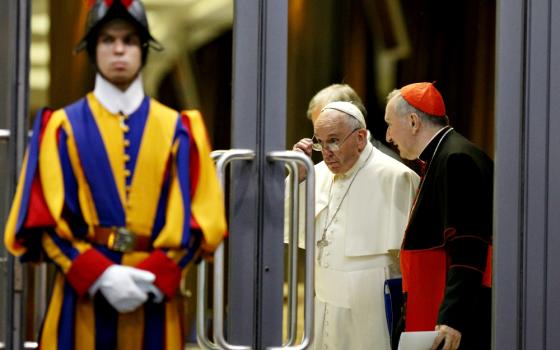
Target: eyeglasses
column 332, row 144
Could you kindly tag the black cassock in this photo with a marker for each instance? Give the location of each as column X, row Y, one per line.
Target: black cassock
column 446, row 252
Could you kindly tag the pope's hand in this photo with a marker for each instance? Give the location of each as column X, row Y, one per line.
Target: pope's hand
column 305, row 146
column 120, row 286
column 450, row 337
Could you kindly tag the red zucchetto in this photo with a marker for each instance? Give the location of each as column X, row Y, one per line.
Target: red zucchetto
column 425, row 97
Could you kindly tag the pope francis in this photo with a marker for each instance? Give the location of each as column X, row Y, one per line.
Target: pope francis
column 363, row 199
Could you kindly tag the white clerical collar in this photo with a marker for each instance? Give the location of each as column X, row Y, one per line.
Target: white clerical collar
column 430, row 140
column 117, row 101
column 366, row 152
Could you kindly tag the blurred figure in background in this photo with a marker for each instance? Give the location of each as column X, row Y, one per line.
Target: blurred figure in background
column 343, row 92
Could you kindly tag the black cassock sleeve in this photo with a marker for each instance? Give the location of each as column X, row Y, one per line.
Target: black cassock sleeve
column 464, row 192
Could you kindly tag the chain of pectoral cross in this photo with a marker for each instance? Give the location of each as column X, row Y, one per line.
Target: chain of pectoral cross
column 323, row 242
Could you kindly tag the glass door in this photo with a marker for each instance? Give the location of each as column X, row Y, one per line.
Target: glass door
column 255, row 272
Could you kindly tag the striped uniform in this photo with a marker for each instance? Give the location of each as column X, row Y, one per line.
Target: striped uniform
column 150, row 172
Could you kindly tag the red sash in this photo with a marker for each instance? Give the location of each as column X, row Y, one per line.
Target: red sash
column 424, row 276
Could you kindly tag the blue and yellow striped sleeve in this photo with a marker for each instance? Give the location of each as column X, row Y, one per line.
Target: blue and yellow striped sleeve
column 45, row 200
column 29, row 213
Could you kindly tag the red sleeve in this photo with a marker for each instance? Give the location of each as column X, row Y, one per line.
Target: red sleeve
column 85, row 270
column 38, row 214
column 168, row 273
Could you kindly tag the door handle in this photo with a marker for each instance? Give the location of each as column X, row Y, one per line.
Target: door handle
column 292, row 157
column 202, row 338
column 39, row 295
column 222, row 158
column 201, row 306
column 4, row 135
column 293, row 253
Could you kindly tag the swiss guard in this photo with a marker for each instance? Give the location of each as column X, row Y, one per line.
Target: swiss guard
column 118, row 191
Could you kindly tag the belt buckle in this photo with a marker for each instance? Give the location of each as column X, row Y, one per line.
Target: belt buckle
column 122, row 240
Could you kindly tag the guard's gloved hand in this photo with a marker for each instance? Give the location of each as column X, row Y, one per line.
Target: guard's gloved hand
column 153, row 292
column 120, row 286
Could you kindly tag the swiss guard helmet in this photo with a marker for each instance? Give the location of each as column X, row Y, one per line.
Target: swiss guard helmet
column 103, row 11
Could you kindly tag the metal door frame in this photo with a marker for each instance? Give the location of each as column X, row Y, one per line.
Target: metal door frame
column 256, row 202
column 14, row 68
column 527, row 190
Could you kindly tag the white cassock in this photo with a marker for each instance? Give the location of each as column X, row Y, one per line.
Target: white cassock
column 352, row 268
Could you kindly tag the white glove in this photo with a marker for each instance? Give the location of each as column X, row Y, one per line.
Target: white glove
column 150, row 288
column 119, row 285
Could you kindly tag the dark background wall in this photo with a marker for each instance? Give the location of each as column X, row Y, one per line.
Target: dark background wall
column 329, row 41
column 452, row 43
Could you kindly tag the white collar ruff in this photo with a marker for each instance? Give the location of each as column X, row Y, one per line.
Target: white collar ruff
column 117, row 101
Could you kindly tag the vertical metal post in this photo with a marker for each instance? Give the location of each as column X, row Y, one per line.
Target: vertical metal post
column 16, row 16
column 527, row 194
column 256, row 245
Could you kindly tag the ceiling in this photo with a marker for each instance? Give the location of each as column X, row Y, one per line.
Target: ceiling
column 180, row 25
